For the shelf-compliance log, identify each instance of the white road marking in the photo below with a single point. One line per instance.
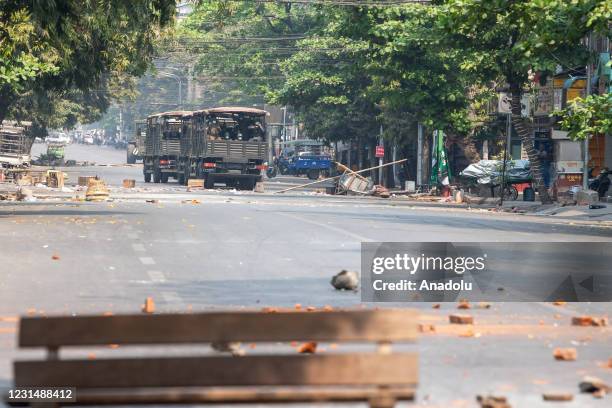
(147, 260)
(171, 297)
(156, 276)
(328, 227)
(138, 248)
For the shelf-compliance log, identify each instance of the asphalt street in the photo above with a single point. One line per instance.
(231, 250)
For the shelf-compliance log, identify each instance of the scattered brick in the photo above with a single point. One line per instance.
(560, 303)
(565, 354)
(599, 394)
(461, 319)
(558, 397)
(55, 257)
(298, 306)
(484, 305)
(149, 305)
(308, 348)
(435, 306)
(427, 328)
(586, 321)
(464, 304)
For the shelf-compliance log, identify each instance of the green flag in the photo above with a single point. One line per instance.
(440, 171)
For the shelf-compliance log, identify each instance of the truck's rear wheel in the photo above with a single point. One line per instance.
(147, 177)
(209, 182)
(164, 177)
(181, 178)
(246, 184)
(156, 176)
(313, 174)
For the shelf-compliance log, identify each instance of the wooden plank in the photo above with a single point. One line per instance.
(290, 370)
(232, 395)
(392, 325)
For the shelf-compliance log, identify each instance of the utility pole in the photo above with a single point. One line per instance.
(284, 109)
(585, 169)
(381, 142)
(120, 123)
(419, 175)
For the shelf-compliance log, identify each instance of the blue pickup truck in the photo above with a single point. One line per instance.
(304, 157)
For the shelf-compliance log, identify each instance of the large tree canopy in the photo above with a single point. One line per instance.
(513, 39)
(63, 61)
(345, 70)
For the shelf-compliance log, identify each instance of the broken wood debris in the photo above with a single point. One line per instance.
(493, 401)
(586, 321)
(336, 177)
(461, 319)
(96, 191)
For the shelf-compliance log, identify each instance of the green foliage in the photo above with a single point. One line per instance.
(513, 38)
(22, 55)
(65, 60)
(587, 117)
(354, 69)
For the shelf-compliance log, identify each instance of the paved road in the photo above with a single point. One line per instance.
(246, 250)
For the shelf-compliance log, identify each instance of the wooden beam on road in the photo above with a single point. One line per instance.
(335, 177)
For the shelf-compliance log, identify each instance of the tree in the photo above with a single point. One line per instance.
(67, 59)
(240, 44)
(586, 117)
(346, 70)
(512, 39)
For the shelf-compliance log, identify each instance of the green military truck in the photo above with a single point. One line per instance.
(136, 145)
(225, 145)
(163, 145)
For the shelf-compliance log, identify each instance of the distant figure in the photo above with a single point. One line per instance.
(601, 184)
(213, 133)
(544, 164)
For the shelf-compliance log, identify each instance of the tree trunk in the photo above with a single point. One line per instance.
(4, 106)
(524, 132)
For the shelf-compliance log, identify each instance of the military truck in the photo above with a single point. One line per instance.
(136, 145)
(15, 144)
(224, 145)
(163, 145)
